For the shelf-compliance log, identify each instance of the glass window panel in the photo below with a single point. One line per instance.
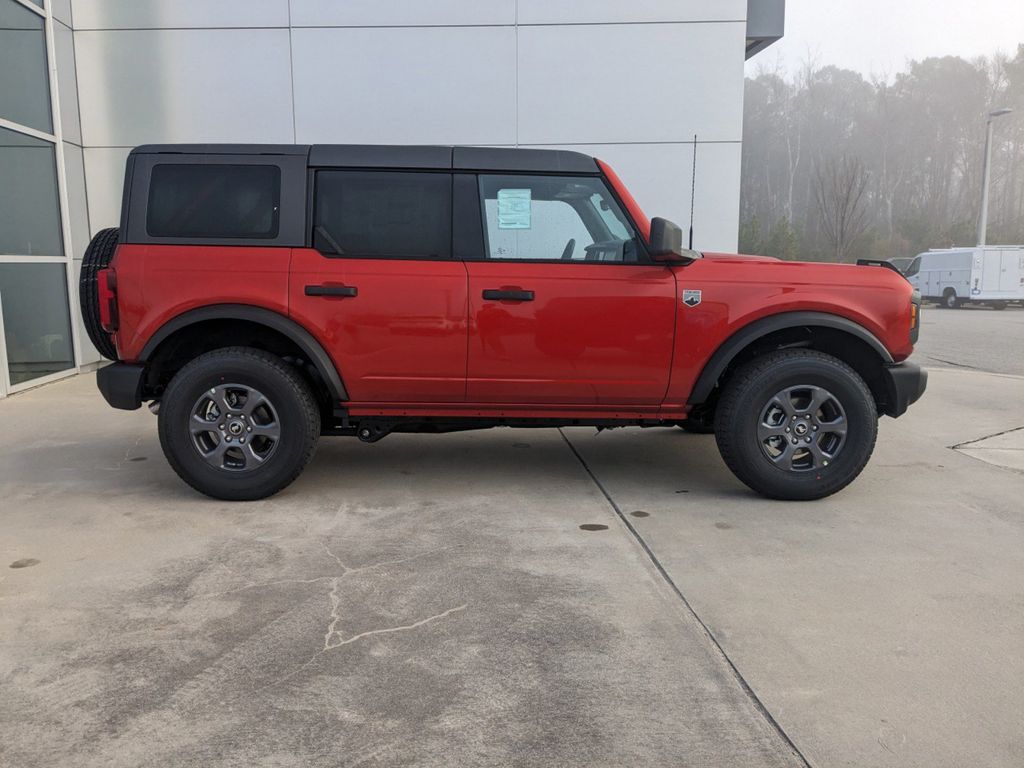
(383, 213)
(214, 201)
(555, 218)
(24, 80)
(29, 206)
(37, 326)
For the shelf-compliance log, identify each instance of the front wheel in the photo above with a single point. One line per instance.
(238, 424)
(796, 424)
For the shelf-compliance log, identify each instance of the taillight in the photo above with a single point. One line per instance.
(106, 284)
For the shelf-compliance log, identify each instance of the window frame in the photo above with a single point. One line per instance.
(643, 255)
(313, 191)
(291, 210)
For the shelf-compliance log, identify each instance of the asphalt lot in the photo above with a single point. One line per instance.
(434, 601)
(973, 338)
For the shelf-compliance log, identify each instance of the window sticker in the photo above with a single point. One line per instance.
(513, 209)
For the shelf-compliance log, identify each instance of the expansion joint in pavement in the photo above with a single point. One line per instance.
(758, 704)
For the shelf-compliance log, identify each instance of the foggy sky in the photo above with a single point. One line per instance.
(880, 36)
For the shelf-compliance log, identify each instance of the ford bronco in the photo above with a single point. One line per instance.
(262, 296)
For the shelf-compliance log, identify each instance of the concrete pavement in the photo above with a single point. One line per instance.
(433, 601)
(423, 601)
(883, 626)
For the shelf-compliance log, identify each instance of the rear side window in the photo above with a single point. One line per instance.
(383, 214)
(214, 201)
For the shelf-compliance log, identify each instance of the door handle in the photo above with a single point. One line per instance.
(331, 290)
(512, 294)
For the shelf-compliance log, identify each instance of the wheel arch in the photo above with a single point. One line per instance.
(836, 335)
(161, 343)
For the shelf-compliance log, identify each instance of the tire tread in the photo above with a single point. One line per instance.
(733, 400)
(310, 414)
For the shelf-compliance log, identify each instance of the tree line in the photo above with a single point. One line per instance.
(838, 167)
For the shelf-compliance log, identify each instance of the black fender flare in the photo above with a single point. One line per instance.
(748, 334)
(261, 316)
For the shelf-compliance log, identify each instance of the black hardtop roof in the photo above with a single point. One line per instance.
(399, 156)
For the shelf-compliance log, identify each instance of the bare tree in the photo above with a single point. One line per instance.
(918, 133)
(840, 189)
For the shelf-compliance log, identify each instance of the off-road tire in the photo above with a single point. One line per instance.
(750, 390)
(97, 256)
(296, 409)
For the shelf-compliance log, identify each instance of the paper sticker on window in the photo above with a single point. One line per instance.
(513, 209)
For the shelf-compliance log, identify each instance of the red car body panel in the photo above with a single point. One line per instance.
(401, 338)
(156, 283)
(594, 333)
(739, 290)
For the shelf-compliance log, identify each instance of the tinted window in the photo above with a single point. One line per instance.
(214, 201)
(914, 268)
(383, 213)
(549, 218)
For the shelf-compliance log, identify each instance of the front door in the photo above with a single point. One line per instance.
(563, 306)
(380, 289)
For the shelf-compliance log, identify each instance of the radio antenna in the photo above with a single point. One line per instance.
(693, 188)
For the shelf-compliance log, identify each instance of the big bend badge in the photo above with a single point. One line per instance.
(691, 298)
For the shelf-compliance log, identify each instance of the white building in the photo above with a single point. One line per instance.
(83, 81)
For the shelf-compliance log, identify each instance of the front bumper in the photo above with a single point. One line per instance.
(905, 383)
(121, 385)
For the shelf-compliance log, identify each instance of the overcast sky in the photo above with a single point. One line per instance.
(880, 36)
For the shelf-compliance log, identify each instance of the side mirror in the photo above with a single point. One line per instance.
(666, 244)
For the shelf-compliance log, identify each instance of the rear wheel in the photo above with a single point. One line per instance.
(796, 425)
(950, 299)
(97, 256)
(238, 424)
(999, 305)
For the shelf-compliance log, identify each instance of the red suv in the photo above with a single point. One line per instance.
(262, 296)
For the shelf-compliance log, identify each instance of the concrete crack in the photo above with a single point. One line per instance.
(334, 616)
(401, 628)
(127, 455)
(986, 437)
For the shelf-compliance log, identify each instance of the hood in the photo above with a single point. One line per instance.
(738, 257)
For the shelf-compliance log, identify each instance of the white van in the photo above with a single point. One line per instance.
(992, 275)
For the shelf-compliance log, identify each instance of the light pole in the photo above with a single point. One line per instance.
(983, 217)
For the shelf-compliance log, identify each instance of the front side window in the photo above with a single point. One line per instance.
(555, 218)
(914, 268)
(214, 201)
(383, 214)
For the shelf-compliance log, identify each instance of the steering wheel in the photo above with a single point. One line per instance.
(569, 248)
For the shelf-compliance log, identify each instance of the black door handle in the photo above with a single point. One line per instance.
(492, 294)
(331, 290)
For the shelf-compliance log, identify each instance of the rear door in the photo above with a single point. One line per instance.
(991, 269)
(1011, 274)
(564, 306)
(379, 286)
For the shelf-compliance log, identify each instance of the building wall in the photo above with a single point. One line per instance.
(628, 82)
